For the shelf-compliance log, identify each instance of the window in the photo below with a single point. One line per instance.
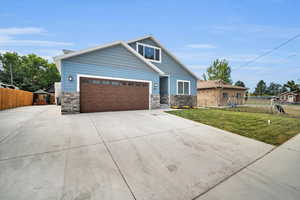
(238, 95)
(183, 87)
(151, 53)
(225, 95)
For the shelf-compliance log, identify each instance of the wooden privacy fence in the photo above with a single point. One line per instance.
(10, 98)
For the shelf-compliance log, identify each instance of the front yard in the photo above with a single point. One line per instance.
(250, 124)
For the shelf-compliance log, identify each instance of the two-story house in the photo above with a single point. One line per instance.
(132, 75)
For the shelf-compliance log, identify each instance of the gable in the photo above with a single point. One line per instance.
(168, 64)
(115, 56)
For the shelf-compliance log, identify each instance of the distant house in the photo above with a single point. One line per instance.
(219, 93)
(290, 97)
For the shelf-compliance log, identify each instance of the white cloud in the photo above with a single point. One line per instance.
(256, 31)
(39, 43)
(197, 67)
(7, 38)
(201, 46)
(21, 31)
(196, 57)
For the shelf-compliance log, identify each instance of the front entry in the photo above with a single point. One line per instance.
(98, 95)
(164, 90)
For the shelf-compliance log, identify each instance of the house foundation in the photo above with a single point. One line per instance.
(70, 102)
(183, 100)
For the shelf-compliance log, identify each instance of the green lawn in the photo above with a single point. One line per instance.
(290, 110)
(252, 125)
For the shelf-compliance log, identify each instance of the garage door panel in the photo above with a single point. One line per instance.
(109, 95)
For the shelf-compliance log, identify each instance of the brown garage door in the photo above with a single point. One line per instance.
(98, 95)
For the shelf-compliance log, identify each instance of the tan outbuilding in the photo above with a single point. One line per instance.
(219, 93)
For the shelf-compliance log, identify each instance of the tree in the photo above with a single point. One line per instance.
(30, 72)
(283, 89)
(240, 83)
(274, 89)
(261, 88)
(10, 61)
(292, 86)
(219, 70)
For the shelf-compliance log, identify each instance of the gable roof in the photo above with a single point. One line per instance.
(211, 84)
(40, 92)
(163, 48)
(58, 59)
(295, 93)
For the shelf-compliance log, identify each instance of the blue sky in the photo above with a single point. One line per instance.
(197, 32)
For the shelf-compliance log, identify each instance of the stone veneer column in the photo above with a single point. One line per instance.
(70, 102)
(183, 100)
(155, 101)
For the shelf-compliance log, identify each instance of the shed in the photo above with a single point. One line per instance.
(41, 97)
(219, 93)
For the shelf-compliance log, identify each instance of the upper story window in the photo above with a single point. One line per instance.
(151, 53)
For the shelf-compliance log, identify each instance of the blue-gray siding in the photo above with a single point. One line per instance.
(172, 68)
(115, 61)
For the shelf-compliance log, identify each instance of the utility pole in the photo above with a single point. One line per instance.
(11, 75)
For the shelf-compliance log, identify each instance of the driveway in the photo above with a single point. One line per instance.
(115, 155)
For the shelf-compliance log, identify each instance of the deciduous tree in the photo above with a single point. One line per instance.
(30, 72)
(219, 70)
(240, 83)
(261, 88)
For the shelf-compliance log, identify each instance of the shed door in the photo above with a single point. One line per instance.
(98, 95)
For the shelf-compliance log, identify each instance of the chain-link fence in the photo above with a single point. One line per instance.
(268, 104)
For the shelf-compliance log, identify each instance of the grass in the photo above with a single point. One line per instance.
(249, 124)
(291, 110)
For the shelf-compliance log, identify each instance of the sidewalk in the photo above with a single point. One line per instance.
(275, 176)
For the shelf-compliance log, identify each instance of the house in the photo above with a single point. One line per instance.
(219, 93)
(290, 97)
(131, 75)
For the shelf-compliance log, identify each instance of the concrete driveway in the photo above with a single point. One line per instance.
(115, 155)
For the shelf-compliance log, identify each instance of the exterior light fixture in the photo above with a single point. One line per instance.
(70, 78)
(155, 85)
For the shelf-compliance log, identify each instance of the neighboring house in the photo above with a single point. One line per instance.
(289, 97)
(137, 74)
(218, 93)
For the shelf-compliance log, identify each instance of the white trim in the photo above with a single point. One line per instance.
(58, 59)
(163, 48)
(139, 38)
(184, 81)
(169, 89)
(150, 46)
(115, 78)
(87, 50)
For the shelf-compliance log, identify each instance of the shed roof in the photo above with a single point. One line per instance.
(295, 93)
(40, 92)
(211, 84)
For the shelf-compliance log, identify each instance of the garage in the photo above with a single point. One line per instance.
(98, 95)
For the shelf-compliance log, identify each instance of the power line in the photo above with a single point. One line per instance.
(270, 51)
